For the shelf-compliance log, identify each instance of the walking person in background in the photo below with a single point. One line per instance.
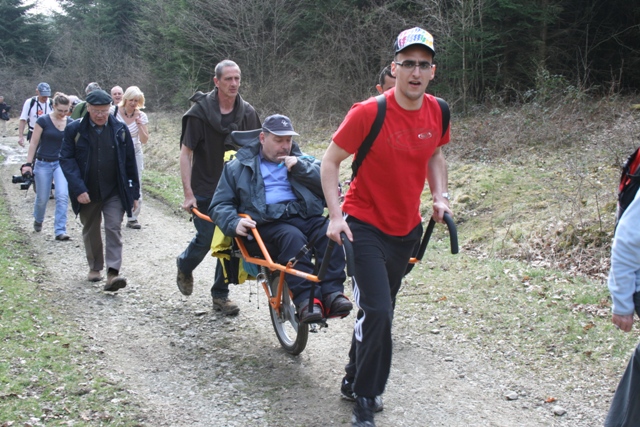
(206, 128)
(129, 113)
(4, 115)
(81, 108)
(99, 162)
(32, 109)
(386, 80)
(624, 285)
(116, 96)
(43, 163)
(383, 223)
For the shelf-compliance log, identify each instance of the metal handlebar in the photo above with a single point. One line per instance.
(453, 240)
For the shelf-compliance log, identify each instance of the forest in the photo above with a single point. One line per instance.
(313, 58)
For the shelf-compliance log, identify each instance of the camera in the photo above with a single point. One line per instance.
(24, 180)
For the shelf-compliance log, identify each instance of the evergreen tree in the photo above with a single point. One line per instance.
(23, 37)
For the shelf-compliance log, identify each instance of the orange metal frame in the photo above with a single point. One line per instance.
(276, 300)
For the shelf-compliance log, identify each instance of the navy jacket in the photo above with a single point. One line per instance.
(74, 161)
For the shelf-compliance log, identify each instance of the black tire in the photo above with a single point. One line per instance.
(292, 334)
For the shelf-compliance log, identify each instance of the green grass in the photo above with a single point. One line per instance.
(163, 186)
(46, 371)
(549, 316)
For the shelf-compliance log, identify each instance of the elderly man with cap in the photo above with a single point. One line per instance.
(33, 108)
(381, 210)
(99, 162)
(279, 188)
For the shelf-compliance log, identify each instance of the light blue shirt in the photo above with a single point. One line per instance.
(276, 182)
(624, 276)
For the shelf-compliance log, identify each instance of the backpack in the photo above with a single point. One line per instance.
(629, 183)
(377, 125)
(33, 101)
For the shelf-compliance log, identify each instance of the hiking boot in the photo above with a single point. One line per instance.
(37, 226)
(346, 390)
(134, 224)
(336, 304)
(363, 412)
(304, 316)
(184, 280)
(94, 276)
(225, 305)
(114, 281)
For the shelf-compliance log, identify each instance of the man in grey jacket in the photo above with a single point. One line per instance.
(280, 189)
(624, 285)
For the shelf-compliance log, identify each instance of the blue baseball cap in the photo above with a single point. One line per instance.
(278, 124)
(44, 89)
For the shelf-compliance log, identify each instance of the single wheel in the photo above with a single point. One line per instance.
(292, 334)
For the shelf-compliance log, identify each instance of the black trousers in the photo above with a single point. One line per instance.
(380, 264)
(288, 236)
(625, 406)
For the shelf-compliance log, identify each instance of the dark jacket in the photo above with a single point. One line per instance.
(203, 132)
(74, 161)
(241, 190)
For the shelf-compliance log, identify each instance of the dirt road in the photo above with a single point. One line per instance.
(189, 366)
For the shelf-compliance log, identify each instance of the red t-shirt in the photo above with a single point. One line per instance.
(386, 192)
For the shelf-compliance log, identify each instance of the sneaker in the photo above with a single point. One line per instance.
(134, 224)
(94, 276)
(114, 281)
(346, 390)
(184, 280)
(37, 226)
(226, 306)
(363, 412)
(63, 237)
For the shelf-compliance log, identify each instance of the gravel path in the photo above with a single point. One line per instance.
(189, 366)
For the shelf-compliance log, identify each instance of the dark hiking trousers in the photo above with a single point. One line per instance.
(380, 264)
(288, 235)
(625, 406)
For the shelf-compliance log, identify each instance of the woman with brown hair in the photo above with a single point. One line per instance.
(44, 149)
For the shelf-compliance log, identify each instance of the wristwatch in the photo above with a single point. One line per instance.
(446, 196)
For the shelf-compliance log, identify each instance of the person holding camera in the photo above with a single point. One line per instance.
(44, 150)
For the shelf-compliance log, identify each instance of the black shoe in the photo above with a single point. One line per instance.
(346, 390)
(363, 412)
(336, 305)
(310, 317)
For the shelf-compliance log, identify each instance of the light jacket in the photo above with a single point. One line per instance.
(624, 276)
(241, 190)
(76, 152)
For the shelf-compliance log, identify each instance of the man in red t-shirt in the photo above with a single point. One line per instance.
(381, 211)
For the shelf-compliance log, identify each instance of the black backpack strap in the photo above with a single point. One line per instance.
(629, 185)
(377, 125)
(446, 114)
(373, 134)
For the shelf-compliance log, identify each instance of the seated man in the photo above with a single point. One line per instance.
(280, 189)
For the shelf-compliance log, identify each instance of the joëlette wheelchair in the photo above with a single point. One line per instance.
(291, 333)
